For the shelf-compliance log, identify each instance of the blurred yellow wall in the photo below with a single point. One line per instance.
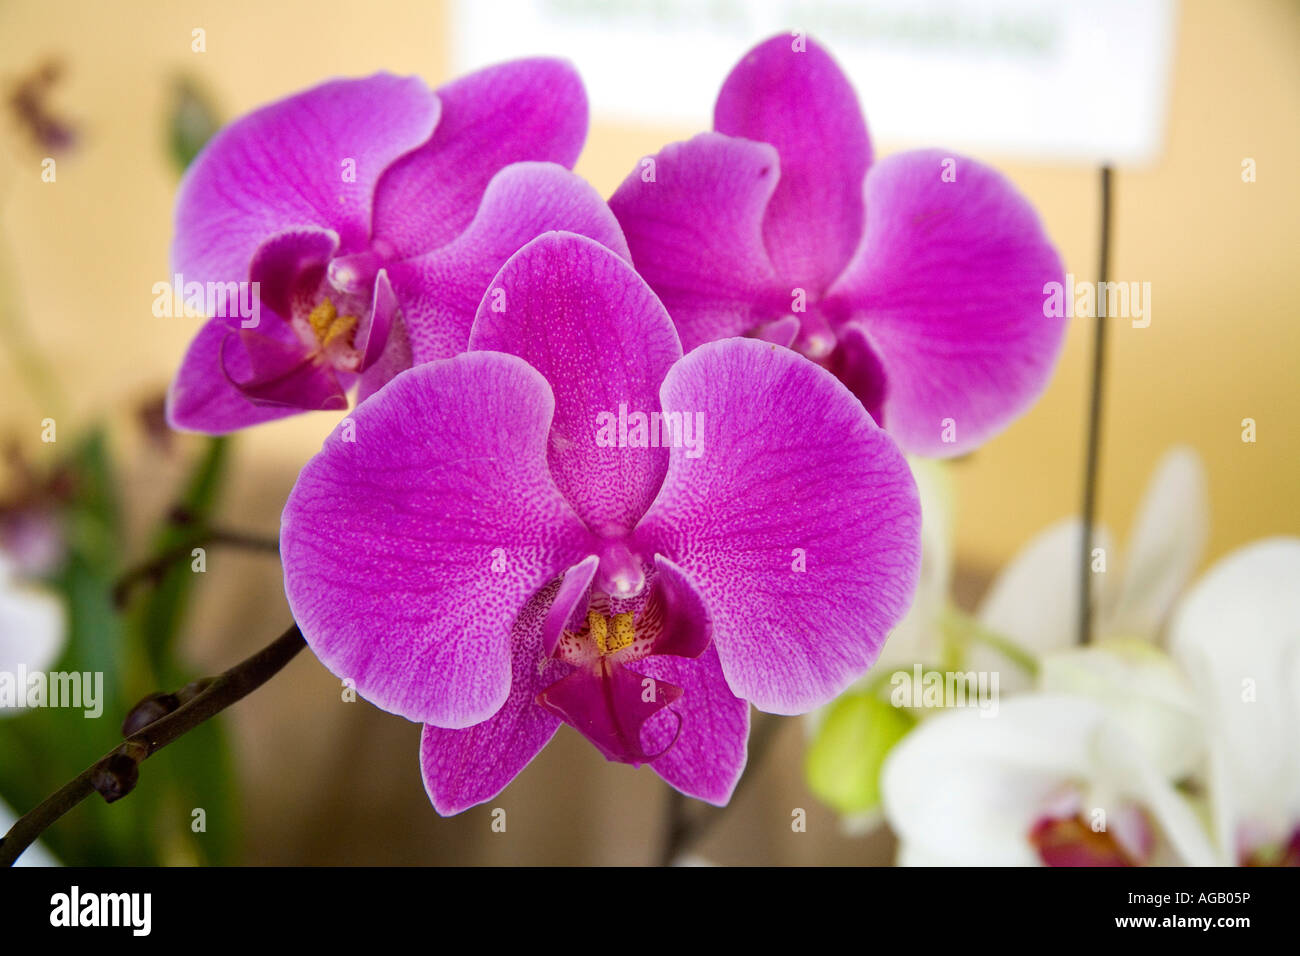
(82, 254)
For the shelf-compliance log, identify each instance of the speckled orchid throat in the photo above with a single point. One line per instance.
(329, 318)
(623, 617)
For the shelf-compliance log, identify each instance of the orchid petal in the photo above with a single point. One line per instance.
(1237, 634)
(795, 516)
(532, 109)
(570, 603)
(33, 627)
(283, 375)
(417, 535)
(1034, 601)
(1143, 690)
(695, 232)
(289, 264)
(465, 767)
(970, 789)
(582, 317)
(676, 618)
(796, 98)
(916, 638)
(440, 292)
(706, 745)
(1167, 543)
(1122, 758)
(395, 359)
(609, 706)
(203, 397)
(287, 164)
(949, 281)
(372, 337)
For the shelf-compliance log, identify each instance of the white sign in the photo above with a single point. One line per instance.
(1076, 80)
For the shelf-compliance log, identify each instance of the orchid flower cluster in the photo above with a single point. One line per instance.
(629, 466)
(1170, 739)
(1127, 752)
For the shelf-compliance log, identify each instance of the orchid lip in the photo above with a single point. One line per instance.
(1065, 835)
(602, 698)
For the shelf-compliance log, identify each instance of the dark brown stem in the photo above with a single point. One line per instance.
(152, 571)
(1091, 462)
(114, 775)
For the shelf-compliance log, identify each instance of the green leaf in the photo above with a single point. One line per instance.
(843, 763)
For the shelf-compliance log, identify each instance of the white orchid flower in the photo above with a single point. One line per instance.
(1030, 610)
(1237, 636)
(1034, 602)
(1123, 715)
(32, 624)
(1114, 727)
(1052, 779)
(32, 636)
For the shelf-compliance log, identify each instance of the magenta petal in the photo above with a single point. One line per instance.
(413, 540)
(801, 103)
(782, 331)
(202, 397)
(392, 361)
(696, 235)
(582, 317)
(949, 284)
(570, 603)
(799, 522)
(466, 767)
(372, 337)
(675, 619)
(283, 375)
(290, 263)
(312, 159)
(441, 291)
(522, 110)
(710, 725)
(856, 363)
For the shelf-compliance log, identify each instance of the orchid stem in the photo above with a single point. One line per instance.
(1094, 420)
(114, 775)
